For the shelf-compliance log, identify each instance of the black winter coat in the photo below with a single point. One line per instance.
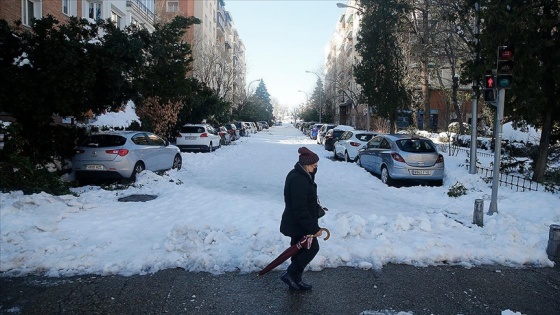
(300, 215)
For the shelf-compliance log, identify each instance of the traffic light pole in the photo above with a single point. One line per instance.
(497, 151)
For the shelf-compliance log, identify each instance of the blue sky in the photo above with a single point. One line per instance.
(283, 39)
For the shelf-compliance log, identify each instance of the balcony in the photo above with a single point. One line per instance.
(142, 10)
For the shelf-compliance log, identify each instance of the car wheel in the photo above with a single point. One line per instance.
(138, 168)
(334, 155)
(358, 161)
(385, 177)
(210, 147)
(347, 157)
(177, 162)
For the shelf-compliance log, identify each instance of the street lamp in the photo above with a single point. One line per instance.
(342, 5)
(320, 98)
(306, 96)
(249, 85)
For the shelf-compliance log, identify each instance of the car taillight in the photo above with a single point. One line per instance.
(397, 157)
(355, 144)
(204, 135)
(179, 135)
(119, 152)
(80, 151)
(439, 159)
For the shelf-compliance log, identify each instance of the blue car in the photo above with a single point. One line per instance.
(315, 131)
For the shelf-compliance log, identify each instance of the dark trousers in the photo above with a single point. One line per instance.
(302, 258)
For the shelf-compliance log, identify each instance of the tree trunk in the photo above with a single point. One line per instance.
(425, 95)
(542, 159)
(456, 103)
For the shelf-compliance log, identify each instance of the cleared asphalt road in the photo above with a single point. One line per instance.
(429, 290)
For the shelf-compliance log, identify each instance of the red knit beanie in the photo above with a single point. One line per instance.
(306, 157)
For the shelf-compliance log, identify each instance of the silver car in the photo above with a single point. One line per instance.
(402, 157)
(123, 154)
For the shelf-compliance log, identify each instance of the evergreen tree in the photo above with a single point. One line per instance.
(380, 69)
(265, 110)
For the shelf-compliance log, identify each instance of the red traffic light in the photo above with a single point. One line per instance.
(505, 53)
(489, 82)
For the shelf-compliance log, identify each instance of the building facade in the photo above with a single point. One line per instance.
(218, 51)
(343, 90)
(121, 12)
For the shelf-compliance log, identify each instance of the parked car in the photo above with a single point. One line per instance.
(403, 157)
(323, 131)
(198, 137)
(233, 131)
(123, 154)
(242, 128)
(254, 127)
(332, 136)
(314, 131)
(350, 142)
(249, 127)
(264, 124)
(224, 134)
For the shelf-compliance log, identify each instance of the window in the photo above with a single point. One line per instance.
(116, 19)
(66, 7)
(30, 9)
(94, 11)
(70, 7)
(172, 6)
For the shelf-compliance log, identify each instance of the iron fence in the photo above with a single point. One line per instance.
(509, 180)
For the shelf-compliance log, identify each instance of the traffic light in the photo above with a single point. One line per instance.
(504, 67)
(490, 88)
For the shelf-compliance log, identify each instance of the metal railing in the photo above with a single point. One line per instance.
(513, 181)
(141, 9)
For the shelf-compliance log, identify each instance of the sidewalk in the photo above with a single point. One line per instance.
(395, 288)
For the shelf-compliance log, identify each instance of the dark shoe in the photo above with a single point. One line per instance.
(304, 286)
(287, 279)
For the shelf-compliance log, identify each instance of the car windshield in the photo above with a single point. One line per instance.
(364, 136)
(192, 129)
(416, 145)
(102, 141)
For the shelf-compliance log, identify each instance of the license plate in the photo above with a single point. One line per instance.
(421, 172)
(190, 137)
(94, 167)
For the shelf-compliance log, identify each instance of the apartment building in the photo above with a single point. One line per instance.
(340, 86)
(343, 90)
(121, 12)
(218, 51)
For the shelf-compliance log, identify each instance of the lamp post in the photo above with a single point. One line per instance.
(320, 97)
(342, 5)
(306, 96)
(249, 85)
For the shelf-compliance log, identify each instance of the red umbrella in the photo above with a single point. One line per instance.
(305, 242)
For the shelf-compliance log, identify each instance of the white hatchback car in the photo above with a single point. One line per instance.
(350, 142)
(198, 138)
